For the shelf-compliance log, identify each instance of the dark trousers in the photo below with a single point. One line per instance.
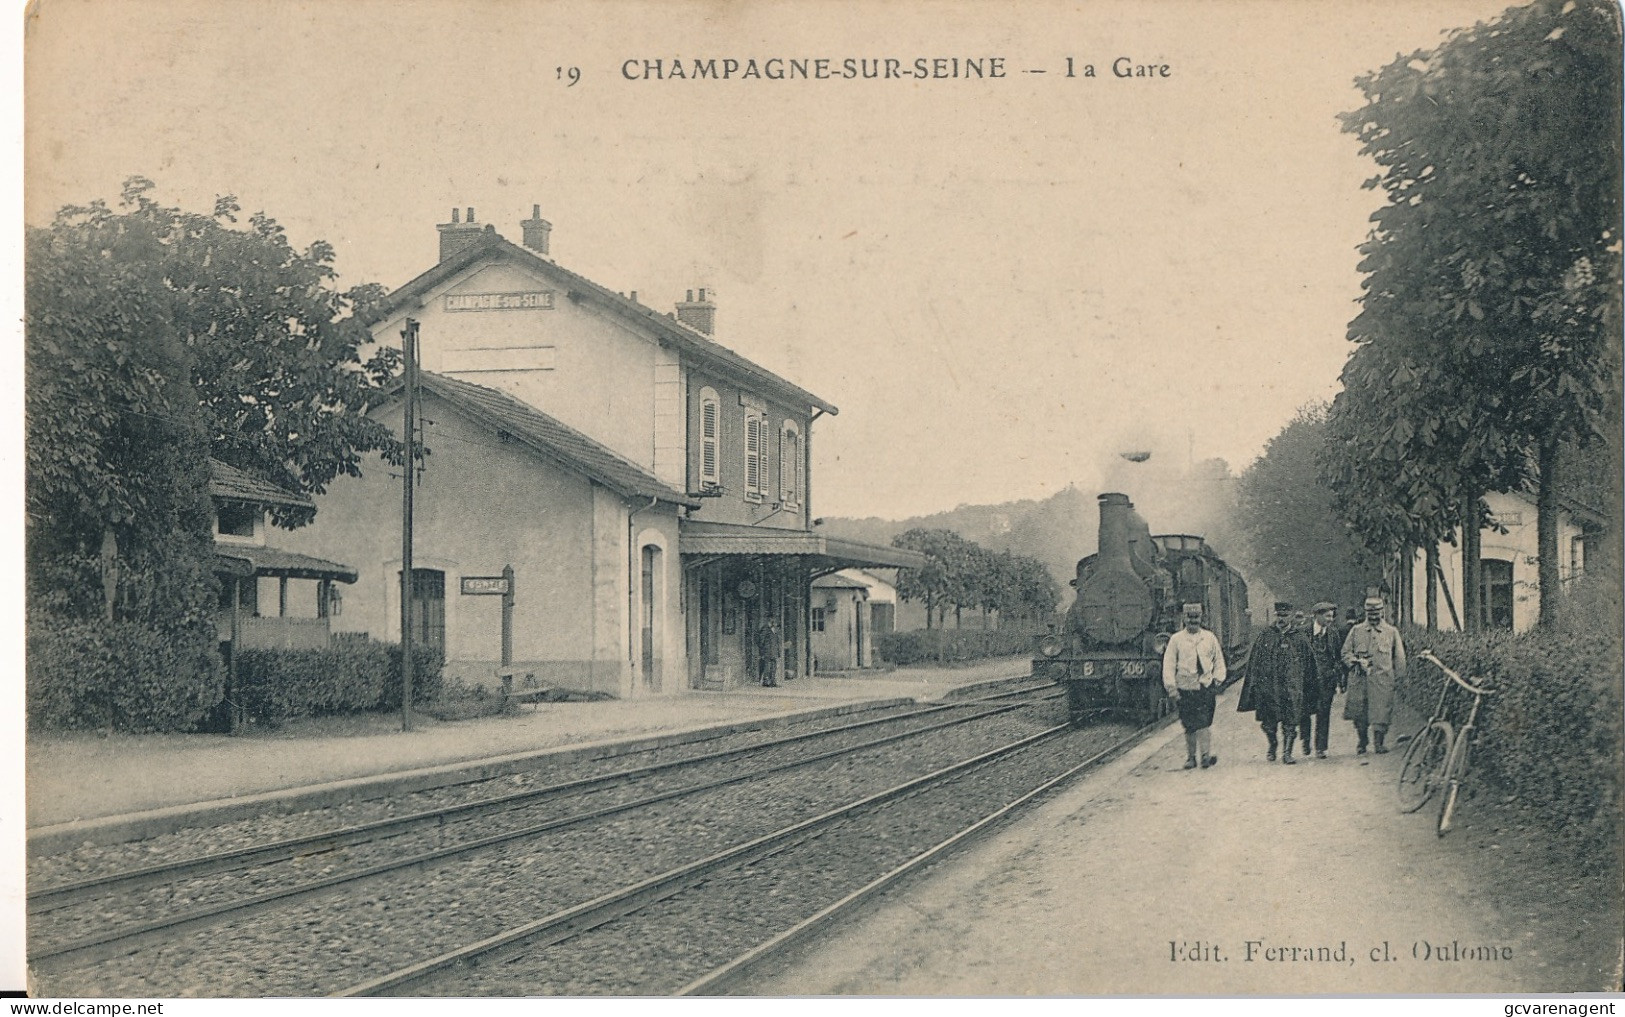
(1272, 723)
(1316, 721)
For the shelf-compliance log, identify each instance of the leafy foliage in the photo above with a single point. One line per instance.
(98, 674)
(1551, 735)
(938, 646)
(157, 338)
(961, 574)
(116, 442)
(1488, 323)
(1298, 543)
(253, 332)
(348, 676)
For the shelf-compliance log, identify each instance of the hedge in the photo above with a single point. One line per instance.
(942, 646)
(100, 674)
(347, 676)
(1550, 738)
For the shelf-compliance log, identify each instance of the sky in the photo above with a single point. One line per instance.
(1001, 282)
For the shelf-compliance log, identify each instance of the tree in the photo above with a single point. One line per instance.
(157, 338)
(933, 583)
(1036, 593)
(1493, 271)
(1409, 455)
(1300, 544)
(273, 346)
(117, 449)
(961, 573)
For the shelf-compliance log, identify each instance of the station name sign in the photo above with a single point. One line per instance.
(487, 586)
(536, 300)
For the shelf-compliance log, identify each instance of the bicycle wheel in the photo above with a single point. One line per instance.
(1425, 759)
(1454, 772)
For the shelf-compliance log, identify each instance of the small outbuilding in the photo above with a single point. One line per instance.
(839, 623)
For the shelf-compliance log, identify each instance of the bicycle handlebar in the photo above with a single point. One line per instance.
(1428, 656)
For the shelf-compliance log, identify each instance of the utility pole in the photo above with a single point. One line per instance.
(409, 349)
(507, 617)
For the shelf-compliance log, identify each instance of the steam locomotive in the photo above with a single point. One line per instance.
(1130, 594)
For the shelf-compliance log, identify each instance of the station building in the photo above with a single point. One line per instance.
(650, 488)
(1509, 587)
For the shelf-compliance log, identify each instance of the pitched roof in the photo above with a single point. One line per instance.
(271, 561)
(226, 481)
(666, 329)
(553, 439)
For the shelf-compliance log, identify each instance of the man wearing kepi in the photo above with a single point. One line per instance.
(1192, 671)
(1277, 666)
(1326, 644)
(1374, 655)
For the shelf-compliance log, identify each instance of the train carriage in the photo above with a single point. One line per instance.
(1108, 654)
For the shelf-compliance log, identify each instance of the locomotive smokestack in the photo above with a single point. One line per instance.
(1116, 529)
(1113, 605)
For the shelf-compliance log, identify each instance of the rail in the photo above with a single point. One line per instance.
(110, 941)
(728, 976)
(564, 924)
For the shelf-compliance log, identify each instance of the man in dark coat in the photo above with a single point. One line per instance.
(769, 647)
(1326, 648)
(1277, 665)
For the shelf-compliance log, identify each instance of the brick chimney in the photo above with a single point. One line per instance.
(458, 236)
(699, 315)
(536, 231)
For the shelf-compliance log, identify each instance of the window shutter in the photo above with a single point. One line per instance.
(708, 441)
(801, 471)
(789, 464)
(764, 453)
(786, 461)
(753, 454)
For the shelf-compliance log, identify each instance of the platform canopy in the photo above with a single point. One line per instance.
(823, 553)
(268, 561)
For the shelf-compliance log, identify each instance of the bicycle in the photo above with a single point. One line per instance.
(1439, 755)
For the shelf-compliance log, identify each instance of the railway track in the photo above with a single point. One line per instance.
(59, 949)
(470, 803)
(65, 874)
(757, 897)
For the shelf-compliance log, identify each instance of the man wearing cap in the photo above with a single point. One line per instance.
(1326, 648)
(1277, 666)
(1374, 655)
(1192, 671)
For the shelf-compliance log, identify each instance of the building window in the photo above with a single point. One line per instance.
(756, 459)
(883, 618)
(817, 619)
(429, 608)
(236, 519)
(790, 464)
(247, 595)
(1495, 593)
(710, 429)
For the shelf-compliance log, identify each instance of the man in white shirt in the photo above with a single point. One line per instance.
(1192, 671)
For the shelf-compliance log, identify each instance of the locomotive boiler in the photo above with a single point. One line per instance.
(1108, 653)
